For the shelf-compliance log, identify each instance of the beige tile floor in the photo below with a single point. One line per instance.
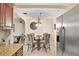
(38, 53)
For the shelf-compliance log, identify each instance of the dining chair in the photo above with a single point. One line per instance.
(31, 43)
(46, 43)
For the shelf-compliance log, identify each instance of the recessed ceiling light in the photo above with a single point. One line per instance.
(25, 13)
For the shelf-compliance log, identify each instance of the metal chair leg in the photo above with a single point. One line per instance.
(28, 48)
(45, 48)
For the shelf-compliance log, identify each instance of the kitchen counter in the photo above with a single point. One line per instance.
(11, 50)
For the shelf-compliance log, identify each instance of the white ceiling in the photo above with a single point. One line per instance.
(44, 5)
(46, 12)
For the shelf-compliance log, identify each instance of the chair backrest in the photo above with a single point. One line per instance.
(30, 38)
(33, 36)
(46, 38)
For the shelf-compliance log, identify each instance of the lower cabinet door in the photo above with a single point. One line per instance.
(20, 52)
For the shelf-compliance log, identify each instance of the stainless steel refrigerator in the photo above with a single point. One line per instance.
(70, 21)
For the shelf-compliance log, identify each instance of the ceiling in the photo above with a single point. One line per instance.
(47, 10)
(44, 5)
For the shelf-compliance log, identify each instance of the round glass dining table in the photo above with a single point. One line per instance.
(38, 39)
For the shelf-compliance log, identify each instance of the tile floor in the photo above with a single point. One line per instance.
(38, 53)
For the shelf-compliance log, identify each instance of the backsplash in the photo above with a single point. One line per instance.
(4, 34)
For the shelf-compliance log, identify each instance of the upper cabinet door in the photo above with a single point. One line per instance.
(8, 15)
(1, 15)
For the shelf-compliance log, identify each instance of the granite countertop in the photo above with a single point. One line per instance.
(9, 50)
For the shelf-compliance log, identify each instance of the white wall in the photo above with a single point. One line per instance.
(19, 28)
(1, 34)
(5, 34)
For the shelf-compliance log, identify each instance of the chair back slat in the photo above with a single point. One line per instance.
(30, 38)
(46, 38)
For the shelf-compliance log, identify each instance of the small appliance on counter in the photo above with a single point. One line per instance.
(3, 41)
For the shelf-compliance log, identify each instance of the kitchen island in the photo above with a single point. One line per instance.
(11, 50)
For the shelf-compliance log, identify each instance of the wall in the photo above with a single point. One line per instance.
(19, 27)
(4, 34)
(1, 34)
(71, 23)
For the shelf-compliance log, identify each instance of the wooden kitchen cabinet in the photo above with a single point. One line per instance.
(19, 52)
(1, 16)
(6, 16)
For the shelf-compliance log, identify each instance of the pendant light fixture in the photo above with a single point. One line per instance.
(39, 18)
